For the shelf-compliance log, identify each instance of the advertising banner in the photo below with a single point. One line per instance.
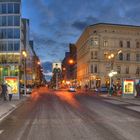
(13, 83)
(128, 87)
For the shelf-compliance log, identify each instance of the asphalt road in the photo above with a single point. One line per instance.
(51, 115)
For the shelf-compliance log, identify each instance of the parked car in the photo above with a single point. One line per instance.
(28, 89)
(103, 89)
(72, 89)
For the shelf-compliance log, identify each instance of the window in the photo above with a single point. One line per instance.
(91, 42)
(10, 20)
(10, 46)
(4, 9)
(1, 48)
(127, 70)
(4, 46)
(105, 43)
(16, 46)
(95, 42)
(3, 34)
(137, 57)
(118, 69)
(120, 56)
(138, 70)
(92, 55)
(16, 8)
(9, 33)
(16, 20)
(91, 68)
(95, 68)
(95, 55)
(137, 45)
(128, 56)
(0, 9)
(121, 44)
(16, 33)
(0, 20)
(4, 21)
(10, 8)
(128, 44)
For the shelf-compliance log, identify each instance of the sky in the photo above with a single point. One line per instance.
(56, 23)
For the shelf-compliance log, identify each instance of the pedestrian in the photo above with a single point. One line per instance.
(0, 91)
(4, 91)
(138, 89)
(111, 91)
(86, 87)
(9, 91)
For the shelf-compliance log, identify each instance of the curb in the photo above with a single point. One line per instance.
(119, 99)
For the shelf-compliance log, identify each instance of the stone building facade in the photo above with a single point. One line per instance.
(100, 40)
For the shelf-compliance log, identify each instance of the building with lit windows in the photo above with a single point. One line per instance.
(100, 41)
(10, 40)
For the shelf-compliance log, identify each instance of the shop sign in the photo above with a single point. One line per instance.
(13, 83)
(128, 86)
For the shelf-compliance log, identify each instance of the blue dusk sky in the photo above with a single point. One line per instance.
(56, 23)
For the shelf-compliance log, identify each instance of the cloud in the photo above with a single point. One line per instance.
(56, 23)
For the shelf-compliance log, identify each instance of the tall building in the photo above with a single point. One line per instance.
(95, 47)
(69, 65)
(10, 19)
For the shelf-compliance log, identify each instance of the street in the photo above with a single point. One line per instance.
(63, 115)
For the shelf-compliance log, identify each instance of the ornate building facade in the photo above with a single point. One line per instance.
(97, 43)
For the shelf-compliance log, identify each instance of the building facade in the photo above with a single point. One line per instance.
(10, 38)
(97, 43)
(69, 65)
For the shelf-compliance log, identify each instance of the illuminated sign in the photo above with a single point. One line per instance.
(57, 65)
(128, 86)
(13, 83)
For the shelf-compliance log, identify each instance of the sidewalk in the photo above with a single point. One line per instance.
(6, 107)
(135, 101)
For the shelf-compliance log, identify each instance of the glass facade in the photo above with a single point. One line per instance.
(10, 26)
(9, 8)
(10, 19)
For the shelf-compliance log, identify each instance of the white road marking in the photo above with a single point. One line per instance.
(1, 131)
(6, 114)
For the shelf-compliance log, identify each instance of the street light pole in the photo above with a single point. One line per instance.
(56, 80)
(25, 76)
(24, 55)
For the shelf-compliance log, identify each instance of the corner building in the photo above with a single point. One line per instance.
(10, 40)
(99, 40)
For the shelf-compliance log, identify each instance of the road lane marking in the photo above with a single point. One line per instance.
(1, 131)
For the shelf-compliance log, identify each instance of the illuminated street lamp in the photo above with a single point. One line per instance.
(38, 63)
(24, 54)
(111, 58)
(111, 74)
(71, 61)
